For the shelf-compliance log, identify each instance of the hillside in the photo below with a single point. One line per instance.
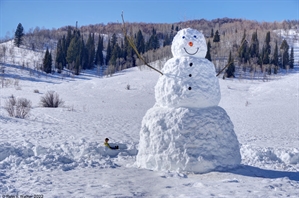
(59, 152)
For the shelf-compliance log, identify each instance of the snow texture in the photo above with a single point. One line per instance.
(172, 89)
(188, 139)
(186, 130)
(181, 44)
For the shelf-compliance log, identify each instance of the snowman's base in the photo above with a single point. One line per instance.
(188, 139)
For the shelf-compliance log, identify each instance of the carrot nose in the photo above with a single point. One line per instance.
(191, 44)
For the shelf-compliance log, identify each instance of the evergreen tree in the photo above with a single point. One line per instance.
(216, 38)
(275, 58)
(208, 55)
(59, 56)
(243, 51)
(115, 54)
(153, 42)
(292, 59)
(47, 62)
(99, 59)
(285, 53)
(113, 41)
(266, 49)
(50, 62)
(108, 52)
(19, 35)
(77, 66)
(73, 51)
(140, 45)
(254, 47)
(265, 56)
(212, 33)
(83, 55)
(230, 71)
(68, 40)
(64, 51)
(90, 47)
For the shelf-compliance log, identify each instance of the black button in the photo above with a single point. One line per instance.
(189, 88)
(191, 64)
(190, 75)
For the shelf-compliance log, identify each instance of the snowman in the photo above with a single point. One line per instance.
(186, 130)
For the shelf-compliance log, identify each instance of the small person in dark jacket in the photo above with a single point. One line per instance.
(107, 144)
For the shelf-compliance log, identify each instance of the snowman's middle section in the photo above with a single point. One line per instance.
(188, 82)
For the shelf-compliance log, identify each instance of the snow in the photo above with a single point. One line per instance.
(60, 153)
(172, 89)
(197, 140)
(189, 42)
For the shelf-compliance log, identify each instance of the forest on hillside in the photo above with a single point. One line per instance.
(248, 47)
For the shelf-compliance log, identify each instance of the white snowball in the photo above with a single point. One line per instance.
(188, 82)
(183, 139)
(189, 42)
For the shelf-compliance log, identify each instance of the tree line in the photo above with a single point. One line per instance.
(252, 55)
(78, 51)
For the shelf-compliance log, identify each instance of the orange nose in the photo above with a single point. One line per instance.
(191, 44)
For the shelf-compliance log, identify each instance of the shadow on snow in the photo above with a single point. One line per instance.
(251, 171)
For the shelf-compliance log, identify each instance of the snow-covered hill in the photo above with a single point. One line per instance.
(59, 152)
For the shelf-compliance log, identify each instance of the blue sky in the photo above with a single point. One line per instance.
(54, 14)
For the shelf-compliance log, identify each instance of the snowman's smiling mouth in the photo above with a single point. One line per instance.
(191, 53)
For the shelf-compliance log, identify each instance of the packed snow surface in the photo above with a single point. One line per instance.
(196, 140)
(188, 82)
(59, 152)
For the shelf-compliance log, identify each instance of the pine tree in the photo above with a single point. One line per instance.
(216, 38)
(59, 56)
(208, 55)
(83, 55)
(99, 58)
(73, 51)
(115, 54)
(266, 49)
(275, 58)
(113, 40)
(19, 35)
(153, 42)
(47, 62)
(243, 51)
(77, 66)
(50, 63)
(292, 59)
(140, 45)
(68, 39)
(64, 51)
(212, 33)
(108, 52)
(230, 71)
(254, 47)
(90, 51)
(285, 53)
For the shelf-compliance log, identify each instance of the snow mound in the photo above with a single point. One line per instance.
(279, 158)
(184, 139)
(65, 156)
(189, 82)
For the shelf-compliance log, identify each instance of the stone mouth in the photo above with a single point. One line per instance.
(191, 53)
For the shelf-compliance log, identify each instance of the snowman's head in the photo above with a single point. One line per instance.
(189, 42)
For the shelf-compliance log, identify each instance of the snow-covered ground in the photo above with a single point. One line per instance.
(59, 152)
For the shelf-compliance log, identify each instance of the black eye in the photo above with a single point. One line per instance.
(183, 37)
(194, 36)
